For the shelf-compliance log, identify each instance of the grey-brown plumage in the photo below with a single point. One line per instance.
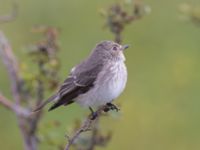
(97, 80)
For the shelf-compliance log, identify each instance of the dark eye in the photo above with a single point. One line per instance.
(114, 48)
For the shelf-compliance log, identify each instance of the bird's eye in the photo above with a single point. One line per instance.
(114, 48)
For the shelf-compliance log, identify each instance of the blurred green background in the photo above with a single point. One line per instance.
(160, 106)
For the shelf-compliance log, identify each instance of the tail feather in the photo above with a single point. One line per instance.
(54, 106)
(50, 99)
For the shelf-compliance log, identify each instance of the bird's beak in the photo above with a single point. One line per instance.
(125, 47)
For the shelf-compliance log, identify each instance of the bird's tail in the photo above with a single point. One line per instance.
(50, 99)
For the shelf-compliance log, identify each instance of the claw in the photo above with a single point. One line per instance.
(106, 109)
(111, 106)
(93, 115)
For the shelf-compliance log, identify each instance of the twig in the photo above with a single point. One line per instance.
(94, 134)
(40, 96)
(86, 126)
(6, 103)
(11, 65)
(13, 107)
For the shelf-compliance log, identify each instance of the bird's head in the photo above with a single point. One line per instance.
(110, 50)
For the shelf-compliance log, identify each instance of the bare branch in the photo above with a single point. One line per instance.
(38, 115)
(86, 126)
(11, 65)
(11, 16)
(22, 114)
(94, 134)
(6, 103)
(13, 107)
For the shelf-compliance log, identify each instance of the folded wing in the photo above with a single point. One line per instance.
(81, 79)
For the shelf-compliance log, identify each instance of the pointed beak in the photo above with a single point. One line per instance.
(125, 47)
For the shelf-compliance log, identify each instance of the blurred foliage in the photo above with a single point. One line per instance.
(118, 15)
(44, 55)
(190, 12)
(160, 107)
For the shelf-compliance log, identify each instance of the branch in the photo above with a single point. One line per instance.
(86, 126)
(11, 16)
(11, 65)
(36, 118)
(13, 107)
(6, 103)
(94, 134)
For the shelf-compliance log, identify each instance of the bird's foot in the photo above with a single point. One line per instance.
(94, 114)
(110, 106)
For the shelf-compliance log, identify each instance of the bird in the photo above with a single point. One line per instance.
(97, 81)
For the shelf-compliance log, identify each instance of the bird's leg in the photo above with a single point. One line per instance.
(93, 114)
(111, 106)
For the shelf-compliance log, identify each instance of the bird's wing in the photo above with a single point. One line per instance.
(81, 79)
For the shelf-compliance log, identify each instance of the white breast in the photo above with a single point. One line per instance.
(108, 86)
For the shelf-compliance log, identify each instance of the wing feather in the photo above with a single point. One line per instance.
(81, 79)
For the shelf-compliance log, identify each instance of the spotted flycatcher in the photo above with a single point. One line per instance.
(96, 81)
